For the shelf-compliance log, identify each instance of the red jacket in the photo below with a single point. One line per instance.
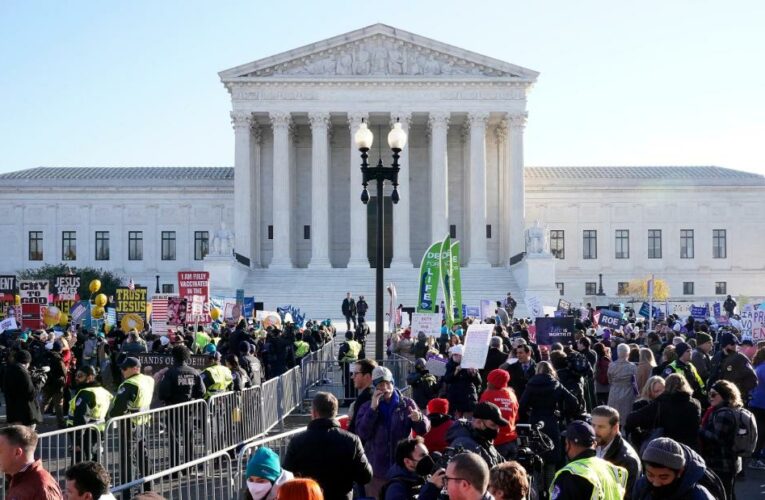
(508, 405)
(34, 483)
(435, 439)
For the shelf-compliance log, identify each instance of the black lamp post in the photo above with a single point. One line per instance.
(156, 290)
(600, 285)
(380, 174)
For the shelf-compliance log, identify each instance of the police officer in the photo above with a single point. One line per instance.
(181, 384)
(586, 475)
(301, 347)
(216, 377)
(88, 406)
(683, 366)
(133, 396)
(347, 356)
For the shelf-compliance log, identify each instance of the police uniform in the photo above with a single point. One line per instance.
(89, 406)
(687, 370)
(181, 384)
(217, 378)
(589, 477)
(301, 349)
(346, 356)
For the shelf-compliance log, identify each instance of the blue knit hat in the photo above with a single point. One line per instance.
(264, 463)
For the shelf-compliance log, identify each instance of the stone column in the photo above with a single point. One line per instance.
(243, 208)
(401, 211)
(439, 181)
(505, 198)
(256, 224)
(280, 121)
(478, 189)
(358, 222)
(319, 191)
(517, 123)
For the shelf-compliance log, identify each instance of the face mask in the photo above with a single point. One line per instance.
(425, 466)
(487, 433)
(258, 490)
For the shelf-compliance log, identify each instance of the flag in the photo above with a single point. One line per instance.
(131, 285)
(430, 276)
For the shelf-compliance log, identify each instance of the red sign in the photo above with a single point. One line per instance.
(31, 316)
(191, 283)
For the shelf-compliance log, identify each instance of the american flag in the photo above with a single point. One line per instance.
(131, 285)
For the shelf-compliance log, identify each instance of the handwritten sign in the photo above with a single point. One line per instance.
(436, 365)
(534, 306)
(34, 292)
(477, 346)
(426, 322)
(758, 325)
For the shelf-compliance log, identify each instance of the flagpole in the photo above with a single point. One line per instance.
(650, 304)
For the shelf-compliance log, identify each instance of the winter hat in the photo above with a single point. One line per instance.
(438, 405)
(498, 378)
(677, 340)
(264, 463)
(666, 452)
(457, 349)
(381, 374)
(57, 346)
(703, 338)
(420, 363)
(681, 348)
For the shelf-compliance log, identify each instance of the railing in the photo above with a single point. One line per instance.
(278, 443)
(401, 367)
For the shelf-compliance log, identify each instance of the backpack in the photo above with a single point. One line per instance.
(745, 440)
(713, 484)
(578, 363)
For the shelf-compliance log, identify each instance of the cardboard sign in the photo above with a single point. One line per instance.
(160, 361)
(192, 283)
(552, 330)
(758, 325)
(34, 292)
(436, 365)
(564, 305)
(477, 341)
(176, 311)
(31, 316)
(426, 322)
(487, 309)
(747, 316)
(7, 288)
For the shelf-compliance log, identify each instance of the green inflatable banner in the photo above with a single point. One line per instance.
(456, 282)
(446, 280)
(430, 275)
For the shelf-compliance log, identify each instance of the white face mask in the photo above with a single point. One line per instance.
(258, 490)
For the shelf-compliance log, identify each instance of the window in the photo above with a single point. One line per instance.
(270, 232)
(654, 243)
(306, 232)
(102, 245)
(135, 245)
(590, 246)
(687, 287)
(590, 288)
(488, 231)
(452, 231)
(686, 243)
(168, 288)
(69, 245)
(168, 245)
(201, 244)
(622, 288)
(719, 244)
(721, 288)
(622, 244)
(557, 243)
(560, 288)
(36, 245)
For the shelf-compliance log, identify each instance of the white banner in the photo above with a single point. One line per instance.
(534, 307)
(477, 341)
(426, 322)
(8, 324)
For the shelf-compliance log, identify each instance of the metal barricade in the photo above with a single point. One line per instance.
(270, 398)
(278, 443)
(145, 443)
(224, 419)
(211, 477)
(401, 367)
(252, 413)
(291, 397)
(59, 449)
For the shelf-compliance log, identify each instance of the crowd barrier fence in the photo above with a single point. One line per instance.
(278, 443)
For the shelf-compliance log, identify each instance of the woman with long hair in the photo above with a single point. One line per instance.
(652, 389)
(646, 364)
(718, 431)
(602, 388)
(300, 489)
(757, 406)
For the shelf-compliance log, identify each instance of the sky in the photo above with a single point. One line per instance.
(114, 83)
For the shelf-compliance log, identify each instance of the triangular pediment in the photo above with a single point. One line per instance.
(377, 51)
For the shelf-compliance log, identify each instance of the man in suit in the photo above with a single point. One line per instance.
(349, 311)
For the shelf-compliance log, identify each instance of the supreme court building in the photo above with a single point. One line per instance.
(300, 234)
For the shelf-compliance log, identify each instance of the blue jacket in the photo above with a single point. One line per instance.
(758, 394)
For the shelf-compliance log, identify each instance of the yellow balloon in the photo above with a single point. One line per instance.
(101, 300)
(51, 316)
(148, 309)
(18, 299)
(64, 319)
(215, 313)
(97, 312)
(94, 286)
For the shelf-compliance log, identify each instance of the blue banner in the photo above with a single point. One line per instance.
(472, 311)
(644, 309)
(552, 330)
(718, 313)
(248, 307)
(699, 312)
(609, 318)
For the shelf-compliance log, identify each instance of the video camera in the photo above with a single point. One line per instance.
(530, 436)
(441, 459)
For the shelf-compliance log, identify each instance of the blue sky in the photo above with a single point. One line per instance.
(108, 83)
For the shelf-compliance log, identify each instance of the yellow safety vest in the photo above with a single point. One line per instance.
(142, 401)
(98, 412)
(352, 355)
(609, 482)
(201, 339)
(695, 373)
(301, 348)
(222, 379)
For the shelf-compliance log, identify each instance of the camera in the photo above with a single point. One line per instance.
(39, 375)
(441, 459)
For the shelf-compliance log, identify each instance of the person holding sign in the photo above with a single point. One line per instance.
(462, 384)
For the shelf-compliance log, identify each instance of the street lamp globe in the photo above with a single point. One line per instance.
(363, 137)
(397, 137)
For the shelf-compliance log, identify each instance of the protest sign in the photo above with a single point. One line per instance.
(472, 311)
(430, 275)
(131, 301)
(8, 324)
(564, 305)
(159, 313)
(699, 312)
(248, 307)
(758, 325)
(65, 287)
(456, 282)
(426, 322)
(609, 318)
(487, 309)
(534, 306)
(445, 267)
(176, 311)
(34, 292)
(436, 365)
(7, 288)
(717, 311)
(746, 322)
(476, 346)
(192, 283)
(160, 361)
(552, 330)
(31, 316)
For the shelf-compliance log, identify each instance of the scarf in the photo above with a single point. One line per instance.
(387, 407)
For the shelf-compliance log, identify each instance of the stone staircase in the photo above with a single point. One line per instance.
(320, 292)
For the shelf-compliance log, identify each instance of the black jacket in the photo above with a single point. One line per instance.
(520, 377)
(736, 368)
(462, 387)
(362, 307)
(462, 434)
(20, 396)
(494, 360)
(622, 454)
(278, 354)
(349, 307)
(334, 458)
(574, 383)
(252, 368)
(180, 384)
(678, 414)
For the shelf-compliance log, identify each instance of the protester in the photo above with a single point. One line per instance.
(521, 369)
(250, 363)
(361, 309)
(495, 357)
(729, 306)
(498, 393)
(674, 414)
(757, 407)
(509, 481)
(612, 447)
(727, 364)
(300, 489)
(718, 432)
(20, 392)
(622, 376)
(25, 477)
(700, 357)
(645, 367)
(601, 373)
(87, 481)
(385, 420)
(466, 478)
(652, 389)
(462, 384)
(671, 470)
(362, 382)
(478, 435)
(586, 473)
(53, 391)
(440, 423)
(239, 379)
(424, 384)
(407, 475)
(264, 475)
(333, 457)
